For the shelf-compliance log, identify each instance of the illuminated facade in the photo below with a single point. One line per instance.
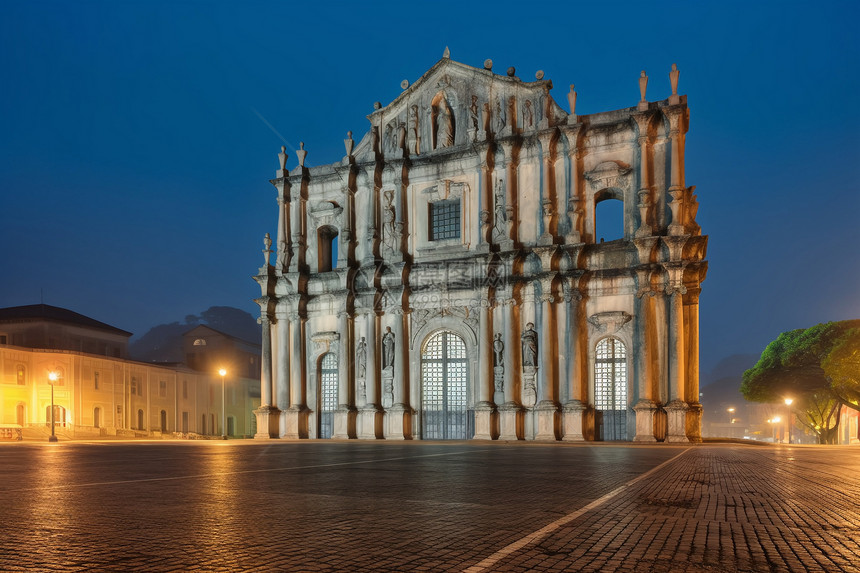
(448, 280)
(97, 395)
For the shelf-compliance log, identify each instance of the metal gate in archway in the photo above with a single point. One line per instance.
(327, 394)
(445, 414)
(610, 390)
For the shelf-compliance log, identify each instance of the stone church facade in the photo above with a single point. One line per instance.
(446, 279)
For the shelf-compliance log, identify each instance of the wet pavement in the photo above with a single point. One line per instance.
(427, 506)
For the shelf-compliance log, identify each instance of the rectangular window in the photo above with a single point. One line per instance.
(162, 389)
(21, 375)
(445, 220)
(133, 386)
(96, 380)
(2, 339)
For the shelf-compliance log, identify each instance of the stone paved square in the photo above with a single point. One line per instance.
(425, 506)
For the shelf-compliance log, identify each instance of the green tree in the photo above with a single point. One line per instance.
(842, 368)
(794, 365)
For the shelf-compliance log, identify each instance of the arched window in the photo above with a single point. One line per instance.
(327, 394)
(327, 248)
(608, 216)
(610, 389)
(444, 380)
(97, 417)
(163, 421)
(20, 414)
(140, 420)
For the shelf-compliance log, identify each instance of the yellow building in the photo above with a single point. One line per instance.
(97, 395)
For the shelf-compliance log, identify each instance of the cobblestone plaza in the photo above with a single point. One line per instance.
(427, 506)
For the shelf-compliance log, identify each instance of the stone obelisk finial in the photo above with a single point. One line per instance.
(571, 99)
(643, 85)
(349, 143)
(674, 99)
(301, 154)
(282, 162)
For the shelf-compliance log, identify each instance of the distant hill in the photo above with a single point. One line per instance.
(163, 343)
(721, 386)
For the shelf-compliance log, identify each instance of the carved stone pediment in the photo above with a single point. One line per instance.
(445, 308)
(610, 175)
(326, 213)
(325, 342)
(445, 190)
(609, 322)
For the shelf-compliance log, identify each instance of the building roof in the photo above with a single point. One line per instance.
(222, 333)
(32, 312)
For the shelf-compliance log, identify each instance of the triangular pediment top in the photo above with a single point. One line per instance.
(450, 74)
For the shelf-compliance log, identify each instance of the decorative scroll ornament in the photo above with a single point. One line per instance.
(610, 175)
(609, 322)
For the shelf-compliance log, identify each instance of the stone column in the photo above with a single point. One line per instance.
(296, 228)
(484, 408)
(677, 406)
(645, 407)
(574, 206)
(282, 365)
(369, 413)
(547, 206)
(547, 407)
(511, 213)
(295, 418)
(510, 413)
(691, 329)
(397, 420)
(344, 416)
(266, 414)
(676, 187)
(575, 409)
(562, 334)
(645, 199)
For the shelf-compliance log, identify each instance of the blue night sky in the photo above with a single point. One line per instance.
(135, 152)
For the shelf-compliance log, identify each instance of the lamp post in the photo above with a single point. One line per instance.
(52, 378)
(788, 402)
(223, 373)
(731, 411)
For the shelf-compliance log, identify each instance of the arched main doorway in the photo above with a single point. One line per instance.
(610, 390)
(444, 383)
(327, 394)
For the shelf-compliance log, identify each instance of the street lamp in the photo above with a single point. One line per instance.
(788, 402)
(52, 378)
(223, 373)
(731, 411)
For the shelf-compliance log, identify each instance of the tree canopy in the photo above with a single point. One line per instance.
(819, 367)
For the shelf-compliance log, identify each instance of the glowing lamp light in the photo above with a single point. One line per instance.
(788, 401)
(223, 373)
(53, 376)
